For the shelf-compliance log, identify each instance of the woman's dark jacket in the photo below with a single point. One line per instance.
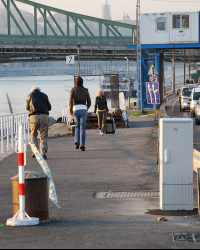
(101, 104)
(79, 96)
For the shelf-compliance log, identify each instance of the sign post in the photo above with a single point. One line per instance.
(153, 94)
(152, 87)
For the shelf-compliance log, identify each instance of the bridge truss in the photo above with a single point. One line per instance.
(51, 23)
(47, 33)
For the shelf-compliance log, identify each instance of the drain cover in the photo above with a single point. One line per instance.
(186, 237)
(126, 195)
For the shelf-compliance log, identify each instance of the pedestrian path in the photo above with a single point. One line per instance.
(121, 163)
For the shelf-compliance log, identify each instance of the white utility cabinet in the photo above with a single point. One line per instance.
(176, 164)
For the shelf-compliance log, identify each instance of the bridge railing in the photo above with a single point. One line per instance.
(9, 128)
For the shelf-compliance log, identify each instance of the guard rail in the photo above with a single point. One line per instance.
(9, 125)
(170, 96)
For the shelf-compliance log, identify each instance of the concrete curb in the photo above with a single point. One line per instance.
(163, 113)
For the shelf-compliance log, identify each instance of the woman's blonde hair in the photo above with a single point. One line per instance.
(35, 88)
(100, 91)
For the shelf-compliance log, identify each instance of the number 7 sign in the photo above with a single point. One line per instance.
(70, 60)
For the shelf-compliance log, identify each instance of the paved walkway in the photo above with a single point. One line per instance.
(125, 162)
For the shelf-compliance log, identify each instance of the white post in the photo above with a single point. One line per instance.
(21, 173)
(7, 129)
(2, 144)
(12, 131)
(21, 218)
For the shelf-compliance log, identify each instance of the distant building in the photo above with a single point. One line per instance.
(106, 11)
(127, 19)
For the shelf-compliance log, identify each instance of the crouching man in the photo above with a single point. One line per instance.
(39, 106)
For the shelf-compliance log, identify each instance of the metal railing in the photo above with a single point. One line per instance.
(9, 125)
(66, 117)
(170, 96)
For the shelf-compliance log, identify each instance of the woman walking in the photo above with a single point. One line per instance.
(79, 103)
(101, 104)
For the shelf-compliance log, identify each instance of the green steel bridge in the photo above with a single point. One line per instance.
(47, 33)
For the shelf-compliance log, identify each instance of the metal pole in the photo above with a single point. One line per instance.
(189, 64)
(8, 17)
(99, 76)
(173, 80)
(137, 67)
(9, 103)
(79, 65)
(35, 21)
(184, 67)
(139, 57)
(128, 81)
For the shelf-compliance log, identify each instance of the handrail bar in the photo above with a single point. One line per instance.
(9, 125)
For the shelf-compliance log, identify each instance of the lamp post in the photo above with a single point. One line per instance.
(128, 81)
(139, 55)
(79, 65)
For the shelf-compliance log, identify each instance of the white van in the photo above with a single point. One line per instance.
(193, 100)
(184, 95)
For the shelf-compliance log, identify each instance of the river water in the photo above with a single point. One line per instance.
(56, 87)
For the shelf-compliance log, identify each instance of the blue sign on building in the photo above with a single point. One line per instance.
(153, 94)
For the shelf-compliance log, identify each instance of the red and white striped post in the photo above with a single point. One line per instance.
(21, 174)
(21, 218)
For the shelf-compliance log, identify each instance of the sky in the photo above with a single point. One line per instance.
(119, 7)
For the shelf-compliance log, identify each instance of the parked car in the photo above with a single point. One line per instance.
(197, 113)
(184, 95)
(193, 100)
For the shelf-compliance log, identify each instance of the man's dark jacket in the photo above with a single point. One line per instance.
(38, 103)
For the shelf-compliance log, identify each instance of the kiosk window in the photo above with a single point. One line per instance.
(181, 21)
(161, 24)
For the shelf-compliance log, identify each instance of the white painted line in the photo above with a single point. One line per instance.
(174, 104)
